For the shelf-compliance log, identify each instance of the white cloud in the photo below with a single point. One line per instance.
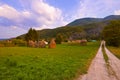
(36, 14)
(9, 12)
(117, 12)
(41, 27)
(26, 14)
(88, 8)
(48, 15)
(40, 13)
(14, 27)
(44, 14)
(101, 8)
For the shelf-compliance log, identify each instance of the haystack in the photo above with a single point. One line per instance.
(83, 42)
(52, 43)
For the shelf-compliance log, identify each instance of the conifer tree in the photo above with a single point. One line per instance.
(31, 35)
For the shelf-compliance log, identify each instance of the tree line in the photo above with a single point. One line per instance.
(110, 33)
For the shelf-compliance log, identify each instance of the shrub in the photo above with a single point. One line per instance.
(1, 45)
(6, 44)
(19, 42)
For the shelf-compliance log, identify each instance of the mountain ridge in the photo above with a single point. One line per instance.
(89, 28)
(82, 21)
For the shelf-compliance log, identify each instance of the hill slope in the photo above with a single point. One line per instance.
(89, 28)
(84, 21)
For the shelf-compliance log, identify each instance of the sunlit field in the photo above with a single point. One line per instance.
(64, 62)
(115, 51)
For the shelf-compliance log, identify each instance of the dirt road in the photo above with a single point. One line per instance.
(101, 70)
(114, 63)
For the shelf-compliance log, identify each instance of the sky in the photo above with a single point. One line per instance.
(18, 16)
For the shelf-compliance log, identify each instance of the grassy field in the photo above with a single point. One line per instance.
(115, 51)
(64, 62)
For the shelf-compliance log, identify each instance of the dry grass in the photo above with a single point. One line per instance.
(115, 51)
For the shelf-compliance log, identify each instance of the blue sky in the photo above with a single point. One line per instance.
(17, 16)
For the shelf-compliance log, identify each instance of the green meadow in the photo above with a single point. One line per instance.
(65, 62)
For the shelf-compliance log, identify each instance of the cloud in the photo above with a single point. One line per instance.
(48, 15)
(38, 14)
(35, 13)
(91, 8)
(15, 17)
(9, 12)
(44, 14)
(26, 14)
(117, 12)
(50, 12)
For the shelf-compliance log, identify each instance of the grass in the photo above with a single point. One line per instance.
(115, 51)
(64, 62)
(104, 54)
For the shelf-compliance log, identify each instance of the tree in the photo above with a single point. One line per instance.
(31, 35)
(35, 35)
(59, 38)
(111, 33)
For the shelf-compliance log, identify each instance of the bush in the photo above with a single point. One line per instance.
(6, 44)
(1, 45)
(59, 38)
(12, 43)
(19, 42)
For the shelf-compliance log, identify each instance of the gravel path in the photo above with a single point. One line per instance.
(100, 70)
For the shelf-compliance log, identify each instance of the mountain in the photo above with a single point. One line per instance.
(1, 39)
(89, 28)
(93, 26)
(85, 21)
(112, 17)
